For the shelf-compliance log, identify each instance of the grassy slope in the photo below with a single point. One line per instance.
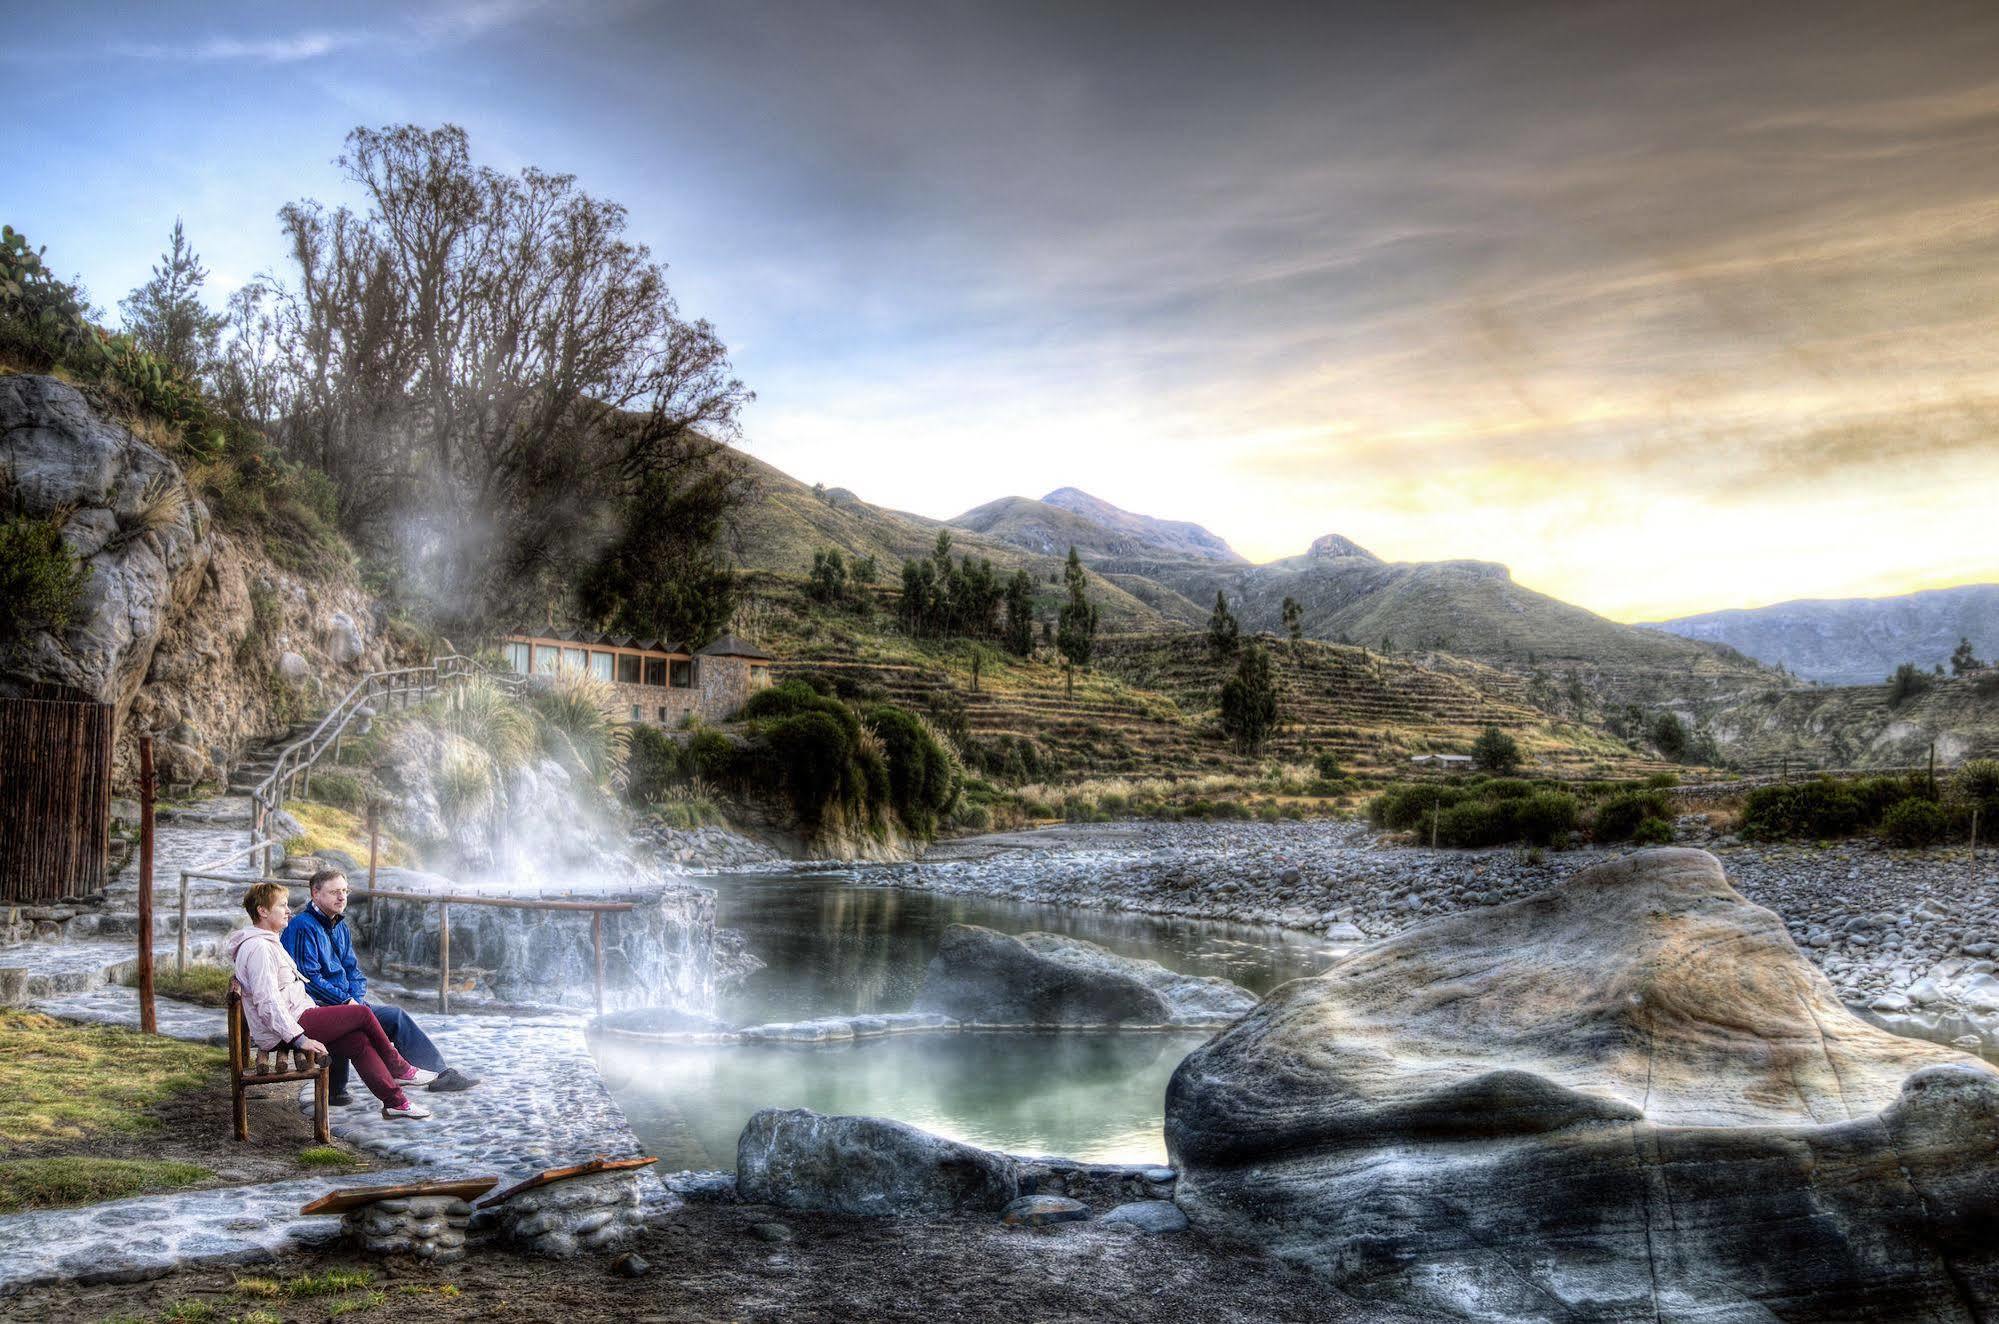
(1148, 708)
(1853, 726)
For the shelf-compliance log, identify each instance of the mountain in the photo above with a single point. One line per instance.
(1854, 641)
(1068, 518)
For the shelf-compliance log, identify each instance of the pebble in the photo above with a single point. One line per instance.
(770, 1231)
(1043, 1211)
(631, 1265)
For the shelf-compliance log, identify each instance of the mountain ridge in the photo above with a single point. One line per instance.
(1852, 641)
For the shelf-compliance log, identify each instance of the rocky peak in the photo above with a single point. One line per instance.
(1336, 545)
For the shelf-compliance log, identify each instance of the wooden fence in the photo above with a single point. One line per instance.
(55, 799)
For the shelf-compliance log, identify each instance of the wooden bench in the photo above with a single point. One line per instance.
(249, 1066)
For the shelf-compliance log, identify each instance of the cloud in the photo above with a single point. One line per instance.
(289, 49)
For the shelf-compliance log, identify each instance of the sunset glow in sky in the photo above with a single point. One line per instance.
(1668, 307)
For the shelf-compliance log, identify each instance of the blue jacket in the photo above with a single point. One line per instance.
(324, 951)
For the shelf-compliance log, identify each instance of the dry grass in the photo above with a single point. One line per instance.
(46, 1183)
(328, 827)
(202, 984)
(66, 1082)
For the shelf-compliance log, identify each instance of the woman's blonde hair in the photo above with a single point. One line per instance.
(262, 896)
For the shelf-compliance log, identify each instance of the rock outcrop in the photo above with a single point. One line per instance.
(1626, 1098)
(985, 977)
(800, 1159)
(195, 636)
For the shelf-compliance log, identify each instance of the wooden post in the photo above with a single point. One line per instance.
(148, 1021)
(1933, 769)
(1974, 833)
(180, 929)
(597, 941)
(374, 844)
(443, 959)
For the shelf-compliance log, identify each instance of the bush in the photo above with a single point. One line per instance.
(578, 711)
(1405, 808)
(1908, 681)
(1619, 817)
(1809, 810)
(1545, 817)
(343, 790)
(1914, 823)
(812, 755)
(41, 583)
(652, 765)
(1653, 832)
(1328, 767)
(923, 776)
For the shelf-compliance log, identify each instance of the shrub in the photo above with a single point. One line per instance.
(1653, 832)
(577, 710)
(1495, 751)
(483, 714)
(1669, 736)
(41, 583)
(923, 776)
(711, 755)
(1814, 809)
(1545, 817)
(653, 764)
(812, 755)
(343, 790)
(1908, 681)
(1404, 808)
(1328, 766)
(1914, 823)
(1662, 781)
(1619, 817)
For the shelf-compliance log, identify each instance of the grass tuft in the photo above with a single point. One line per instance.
(48, 1183)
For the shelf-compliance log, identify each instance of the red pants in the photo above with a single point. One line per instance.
(351, 1031)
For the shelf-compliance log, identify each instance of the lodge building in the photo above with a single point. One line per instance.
(655, 681)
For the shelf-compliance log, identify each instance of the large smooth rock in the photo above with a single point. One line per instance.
(1627, 1098)
(986, 977)
(800, 1159)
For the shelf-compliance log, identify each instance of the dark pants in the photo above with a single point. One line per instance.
(410, 1041)
(351, 1032)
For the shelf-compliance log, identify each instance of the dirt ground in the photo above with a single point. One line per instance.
(709, 1264)
(196, 1127)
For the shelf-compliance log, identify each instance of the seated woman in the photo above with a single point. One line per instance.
(281, 1013)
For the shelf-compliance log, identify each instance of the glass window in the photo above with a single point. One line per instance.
(520, 658)
(628, 668)
(655, 671)
(600, 665)
(575, 659)
(662, 717)
(635, 712)
(547, 659)
(683, 674)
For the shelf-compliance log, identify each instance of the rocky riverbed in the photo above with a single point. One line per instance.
(1911, 935)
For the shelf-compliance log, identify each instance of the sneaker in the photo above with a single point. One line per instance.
(414, 1112)
(451, 1080)
(417, 1076)
(340, 1100)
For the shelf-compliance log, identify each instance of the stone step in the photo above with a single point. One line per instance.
(31, 971)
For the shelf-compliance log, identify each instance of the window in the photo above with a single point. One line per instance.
(600, 665)
(635, 712)
(575, 659)
(628, 668)
(656, 671)
(662, 717)
(683, 675)
(520, 657)
(547, 659)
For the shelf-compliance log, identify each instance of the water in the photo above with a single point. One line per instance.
(834, 947)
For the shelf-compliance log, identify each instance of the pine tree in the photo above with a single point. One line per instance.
(1076, 635)
(1249, 702)
(166, 315)
(1223, 633)
(1294, 619)
(1020, 614)
(1963, 661)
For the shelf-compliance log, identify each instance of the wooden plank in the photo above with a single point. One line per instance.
(359, 1197)
(550, 1176)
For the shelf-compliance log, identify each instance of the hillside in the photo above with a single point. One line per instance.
(1854, 641)
(1147, 709)
(1857, 727)
(778, 531)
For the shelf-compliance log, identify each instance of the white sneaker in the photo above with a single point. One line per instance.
(414, 1112)
(420, 1079)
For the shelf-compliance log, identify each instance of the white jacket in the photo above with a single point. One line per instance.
(273, 990)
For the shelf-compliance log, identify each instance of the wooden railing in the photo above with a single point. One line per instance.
(293, 770)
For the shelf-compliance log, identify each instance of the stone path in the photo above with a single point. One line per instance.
(152, 1235)
(541, 1103)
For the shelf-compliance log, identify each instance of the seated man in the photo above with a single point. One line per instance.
(319, 941)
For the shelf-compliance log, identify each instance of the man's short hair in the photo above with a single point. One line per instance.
(322, 878)
(262, 896)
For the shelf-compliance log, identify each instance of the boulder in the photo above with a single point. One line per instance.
(343, 640)
(800, 1159)
(986, 977)
(1627, 1098)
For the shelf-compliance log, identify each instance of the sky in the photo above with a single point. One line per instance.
(1668, 307)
